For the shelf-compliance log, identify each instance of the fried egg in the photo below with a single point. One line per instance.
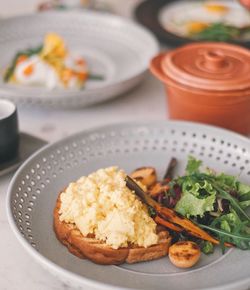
(184, 18)
(34, 71)
(52, 66)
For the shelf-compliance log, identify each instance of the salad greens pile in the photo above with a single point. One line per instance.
(222, 32)
(218, 203)
(219, 32)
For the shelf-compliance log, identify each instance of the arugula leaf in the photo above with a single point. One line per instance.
(234, 202)
(193, 165)
(229, 228)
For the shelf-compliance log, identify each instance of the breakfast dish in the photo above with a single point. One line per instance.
(179, 22)
(34, 191)
(51, 65)
(207, 20)
(110, 48)
(100, 216)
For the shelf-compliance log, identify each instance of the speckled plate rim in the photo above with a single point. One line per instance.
(57, 270)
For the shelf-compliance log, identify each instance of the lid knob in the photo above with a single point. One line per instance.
(214, 60)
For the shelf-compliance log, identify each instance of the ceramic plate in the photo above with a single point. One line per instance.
(112, 46)
(156, 14)
(33, 191)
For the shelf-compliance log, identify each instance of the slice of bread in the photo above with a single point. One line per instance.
(101, 253)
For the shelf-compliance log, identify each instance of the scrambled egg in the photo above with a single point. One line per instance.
(101, 204)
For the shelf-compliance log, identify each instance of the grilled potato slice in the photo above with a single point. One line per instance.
(146, 175)
(184, 254)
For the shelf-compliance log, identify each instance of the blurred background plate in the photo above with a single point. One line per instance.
(34, 189)
(112, 46)
(157, 15)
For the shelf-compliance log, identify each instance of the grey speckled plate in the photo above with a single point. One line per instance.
(112, 46)
(34, 189)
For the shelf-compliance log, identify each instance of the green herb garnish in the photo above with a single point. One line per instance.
(95, 77)
(151, 211)
(218, 32)
(207, 247)
(28, 52)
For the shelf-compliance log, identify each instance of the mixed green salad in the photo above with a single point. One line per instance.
(204, 206)
(216, 202)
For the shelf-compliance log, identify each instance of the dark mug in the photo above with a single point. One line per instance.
(9, 136)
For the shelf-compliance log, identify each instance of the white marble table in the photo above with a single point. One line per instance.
(147, 102)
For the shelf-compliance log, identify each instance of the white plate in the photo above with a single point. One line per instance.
(114, 47)
(34, 189)
(174, 21)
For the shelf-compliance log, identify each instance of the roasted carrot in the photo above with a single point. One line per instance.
(167, 224)
(170, 214)
(188, 225)
(170, 168)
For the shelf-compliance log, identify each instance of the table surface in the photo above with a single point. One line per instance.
(147, 102)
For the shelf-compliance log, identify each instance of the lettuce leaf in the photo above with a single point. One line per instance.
(243, 188)
(245, 204)
(193, 165)
(191, 205)
(228, 181)
(198, 197)
(201, 188)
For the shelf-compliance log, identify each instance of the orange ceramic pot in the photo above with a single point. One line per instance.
(207, 82)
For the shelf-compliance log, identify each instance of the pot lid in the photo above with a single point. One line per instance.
(210, 66)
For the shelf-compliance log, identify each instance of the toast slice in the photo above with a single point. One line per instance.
(101, 253)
